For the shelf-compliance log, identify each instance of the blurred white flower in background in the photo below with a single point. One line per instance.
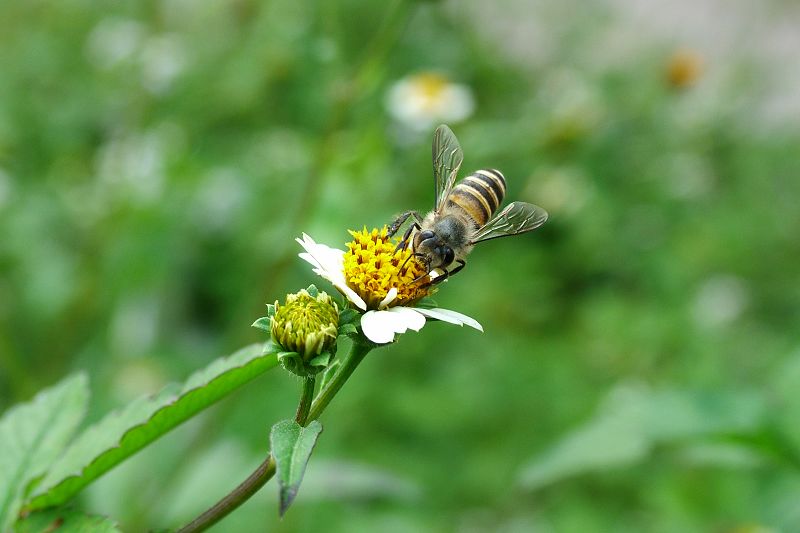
(219, 197)
(160, 59)
(133, 329)
(163, 59)
(425, 99)
(684, 68)
(131, 168)
(720, 300)
(113, 41)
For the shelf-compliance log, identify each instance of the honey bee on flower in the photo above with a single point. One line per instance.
(385, 277)
(380, 280)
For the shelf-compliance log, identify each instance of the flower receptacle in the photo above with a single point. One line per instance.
(306, 326)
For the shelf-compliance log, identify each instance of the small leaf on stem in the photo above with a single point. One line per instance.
(292, 445)
(263, 323)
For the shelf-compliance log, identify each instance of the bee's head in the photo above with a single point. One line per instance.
(435, 253)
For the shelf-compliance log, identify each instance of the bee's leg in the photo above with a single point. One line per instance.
(399, 221)
(404, 241)
(448, 273)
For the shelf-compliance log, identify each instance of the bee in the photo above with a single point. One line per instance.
(462, 216)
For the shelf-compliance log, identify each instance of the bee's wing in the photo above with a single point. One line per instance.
(447, 158)
(517, 217)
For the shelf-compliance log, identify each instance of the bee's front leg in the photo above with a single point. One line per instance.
(399, 221)
(403, 244)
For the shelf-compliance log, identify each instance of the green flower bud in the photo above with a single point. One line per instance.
(306, 326)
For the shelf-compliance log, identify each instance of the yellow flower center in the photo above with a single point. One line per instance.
(372, 268)
(684, 68)
(430, 87)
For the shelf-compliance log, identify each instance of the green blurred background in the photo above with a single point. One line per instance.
(640, 363)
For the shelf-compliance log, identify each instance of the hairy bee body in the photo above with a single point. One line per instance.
(464, 213)
(478, 195)
(469, 206)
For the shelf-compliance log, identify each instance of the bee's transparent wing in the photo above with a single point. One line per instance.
(447, 158)
(517, 217)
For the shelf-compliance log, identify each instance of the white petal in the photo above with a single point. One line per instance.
(407, 318)
(378, 326)
(446, 315)
(460, 103)
(328, 258)
(390, 296)
(306, 242)
(351, 295)
(321, 256)
(308, 258)
(328, 263)
(381, 326)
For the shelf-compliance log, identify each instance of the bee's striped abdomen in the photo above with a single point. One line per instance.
(479, 194)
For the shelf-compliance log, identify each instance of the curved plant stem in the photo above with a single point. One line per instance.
(356, 355)
(237, 497)
(254, 481)
(306, 412)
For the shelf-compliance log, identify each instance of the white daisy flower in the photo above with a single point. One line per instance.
(425, 99)
(380, 282)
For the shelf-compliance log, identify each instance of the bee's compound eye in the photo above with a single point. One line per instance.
(426, 234)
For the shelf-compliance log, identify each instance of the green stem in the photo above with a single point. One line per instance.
(256, 480)
(306, 412)
(356, 355)
(305, 400)
(237, 497)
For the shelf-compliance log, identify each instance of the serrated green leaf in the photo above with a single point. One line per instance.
(292, 445)
(123, 433)
(65, 521)
(32, 435)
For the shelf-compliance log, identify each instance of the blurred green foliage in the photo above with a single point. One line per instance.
(157, 159)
